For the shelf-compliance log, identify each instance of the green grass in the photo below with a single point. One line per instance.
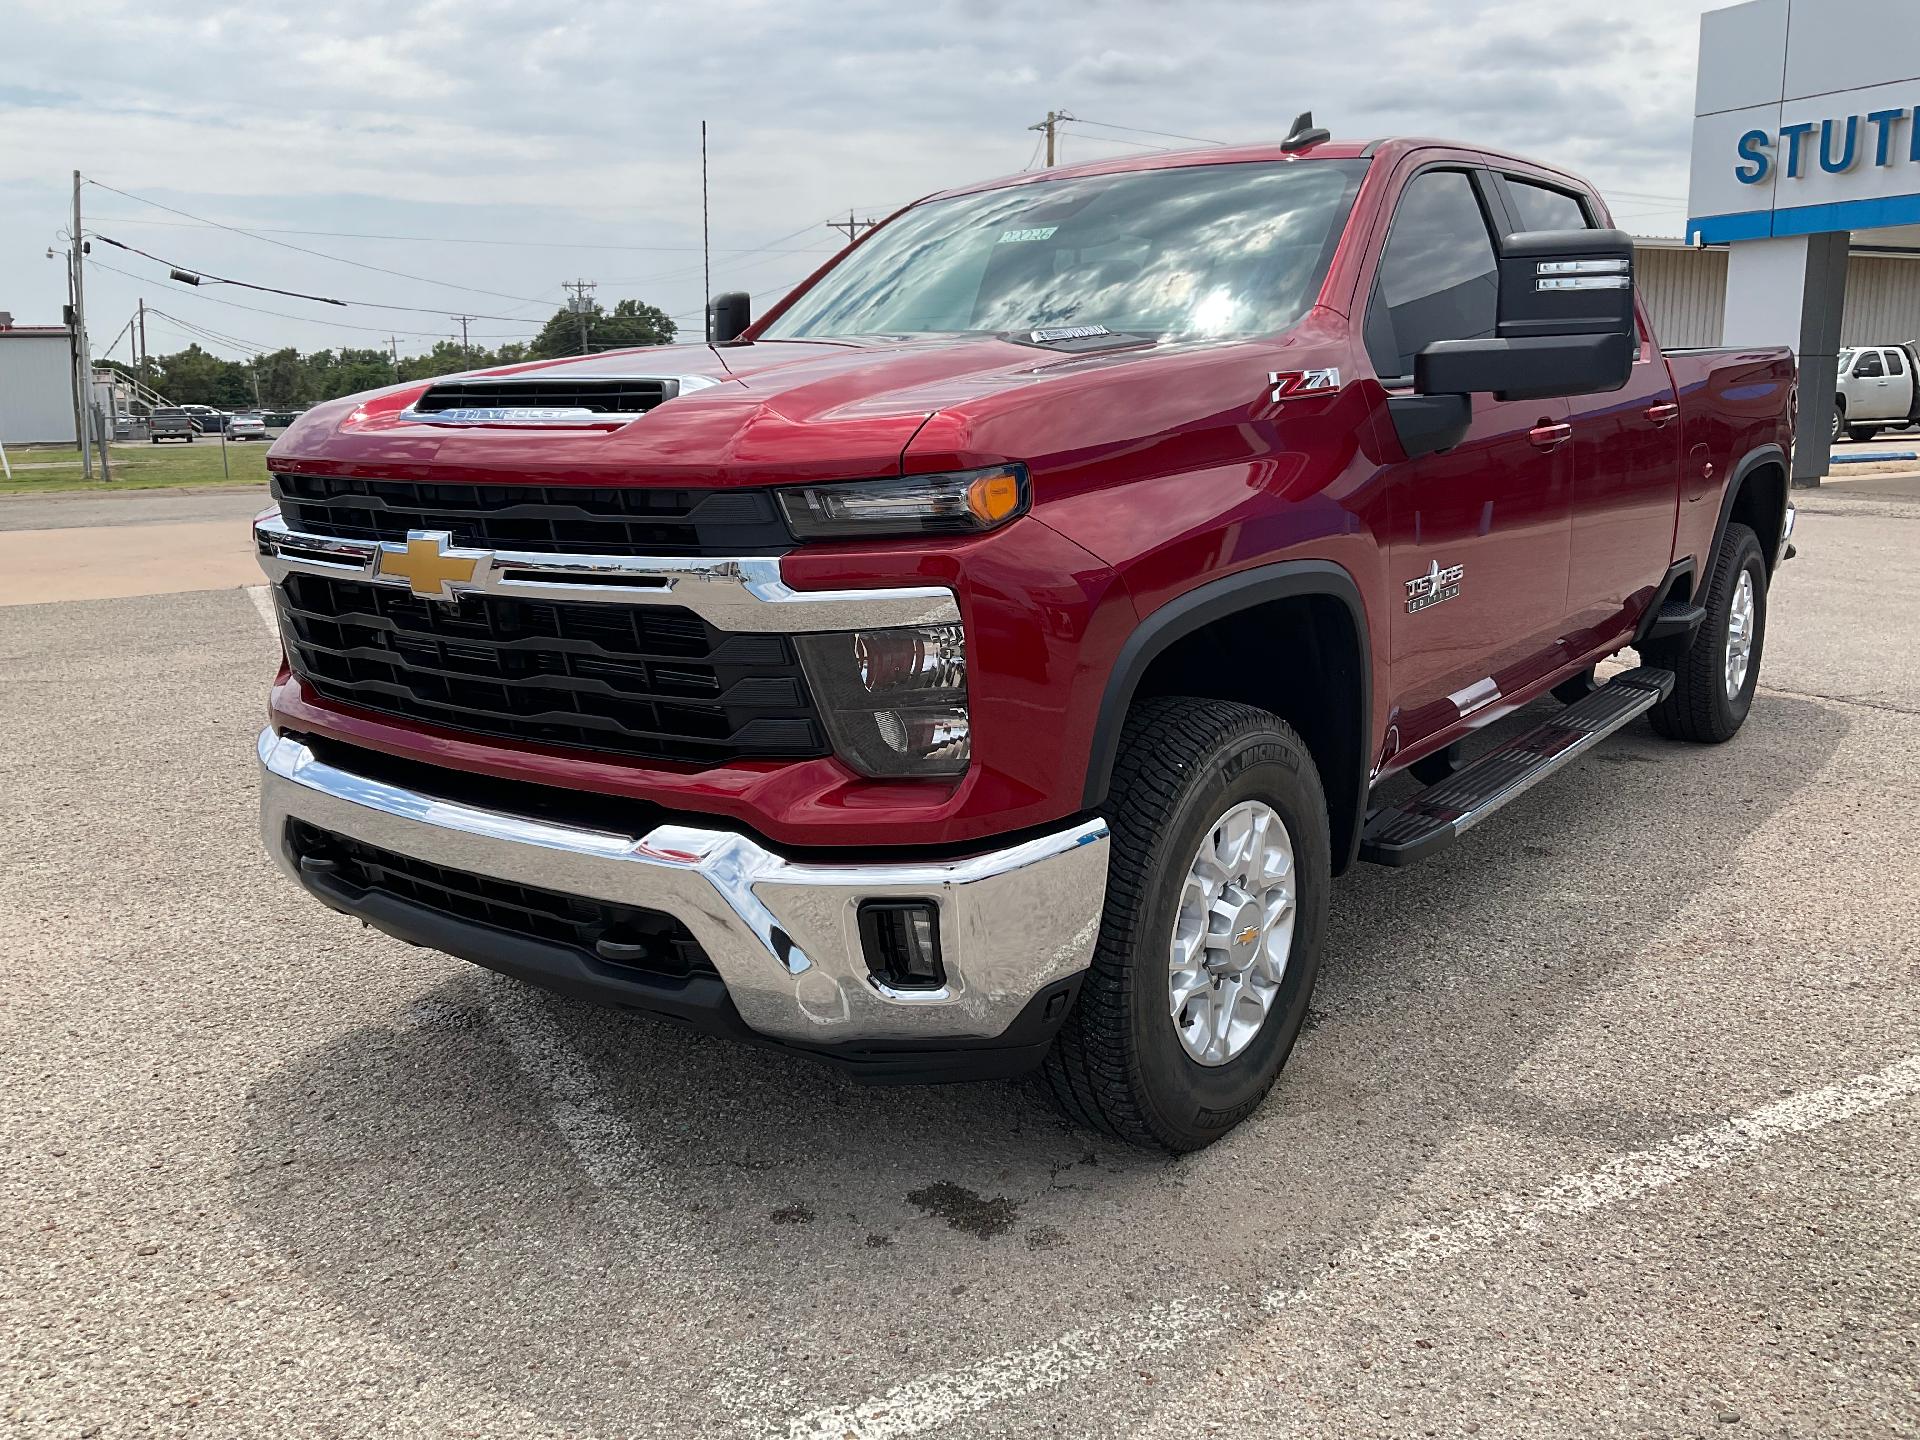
(138, 467)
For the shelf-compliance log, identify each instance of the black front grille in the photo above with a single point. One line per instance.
(652, 681)
(634, 938)
(550, 518)
(609, 395)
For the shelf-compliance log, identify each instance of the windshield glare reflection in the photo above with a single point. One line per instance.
(1205, 250)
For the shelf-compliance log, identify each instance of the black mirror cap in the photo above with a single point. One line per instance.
(1538, 367)
(728, 316)
(1566, 282)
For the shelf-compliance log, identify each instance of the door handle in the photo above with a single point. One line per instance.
(1661, 414)
(1550, 437)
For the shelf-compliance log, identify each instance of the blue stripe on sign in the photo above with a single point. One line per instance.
(1719, 229)
(1805, 219)
(1847, 215)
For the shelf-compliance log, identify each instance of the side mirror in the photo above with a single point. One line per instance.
(1565, 326)
(728, 315)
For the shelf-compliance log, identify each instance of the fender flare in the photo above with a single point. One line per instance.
(1201, 606)
(1751, 461)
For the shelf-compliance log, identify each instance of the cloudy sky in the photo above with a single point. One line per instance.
(564, 134)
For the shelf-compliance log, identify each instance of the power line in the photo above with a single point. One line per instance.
(210, 333)
(304, 250)
(193, 277)
(1142, 130)
(259, 230)
(315, 320)
(194, 335)
(767, 248)
(1115, 140)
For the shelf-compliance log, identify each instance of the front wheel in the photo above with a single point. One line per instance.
(1715, 673)
(1862, 433)
(1216, 911)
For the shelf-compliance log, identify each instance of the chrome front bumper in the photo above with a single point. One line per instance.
(783, 934)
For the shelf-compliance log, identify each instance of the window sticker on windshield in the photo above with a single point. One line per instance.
(1011, 237)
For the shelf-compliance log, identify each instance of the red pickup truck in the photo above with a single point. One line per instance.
(987, 660)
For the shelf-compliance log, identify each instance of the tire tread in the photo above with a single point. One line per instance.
(1694, 710)
(1091, 1073)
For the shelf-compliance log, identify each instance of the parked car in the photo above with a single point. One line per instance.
(987, 660)
(206, 419)
(247, 426)
(171, 422)
(1876, 383)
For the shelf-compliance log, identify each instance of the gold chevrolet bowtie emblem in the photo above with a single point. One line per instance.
(430, 564)
(1246, 936)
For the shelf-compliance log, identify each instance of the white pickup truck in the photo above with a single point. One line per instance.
(1875, 390)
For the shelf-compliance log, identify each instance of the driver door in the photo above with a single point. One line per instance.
(1479, 536)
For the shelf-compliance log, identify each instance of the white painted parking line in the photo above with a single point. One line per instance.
(580, 1108)
(263, 602)
(929, 1405)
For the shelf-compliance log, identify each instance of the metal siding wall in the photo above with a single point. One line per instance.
(1685, 292)
(36, 390)
(1883, 301)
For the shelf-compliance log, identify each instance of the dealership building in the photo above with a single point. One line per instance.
(1806, 167)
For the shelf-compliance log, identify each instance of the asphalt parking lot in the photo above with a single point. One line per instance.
(1605, 1121)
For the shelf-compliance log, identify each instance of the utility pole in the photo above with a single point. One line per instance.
(393, 348)
(70, 316)
(83, 363)
(1051, 125)
(142, 366)
(853, 229)
(582, 292)
(466, 351)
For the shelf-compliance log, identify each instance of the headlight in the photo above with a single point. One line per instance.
(961, 502)
(895, 700)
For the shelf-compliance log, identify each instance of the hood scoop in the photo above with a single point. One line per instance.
(549, 401)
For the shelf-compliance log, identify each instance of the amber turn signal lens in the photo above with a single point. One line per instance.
(994, 497)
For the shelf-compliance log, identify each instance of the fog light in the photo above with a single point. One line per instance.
(895, 700)
(901, 939)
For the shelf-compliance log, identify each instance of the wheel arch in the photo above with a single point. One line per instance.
(1756, 496)
(1314, 614)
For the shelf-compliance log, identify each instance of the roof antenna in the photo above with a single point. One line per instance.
(706, 243)
(1304, 133)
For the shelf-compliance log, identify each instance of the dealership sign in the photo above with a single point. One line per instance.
(1806, 119)
(1884, 137)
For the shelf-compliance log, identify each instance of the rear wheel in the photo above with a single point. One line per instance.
(1210, 942)
(1715, 673)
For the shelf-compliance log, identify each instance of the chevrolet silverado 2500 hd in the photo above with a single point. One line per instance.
(987, 660)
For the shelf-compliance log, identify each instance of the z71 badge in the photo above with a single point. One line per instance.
(1291, 384)
(1434, 586)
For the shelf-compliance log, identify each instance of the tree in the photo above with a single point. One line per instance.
(630, 323)
(283, 380)
(194, 377)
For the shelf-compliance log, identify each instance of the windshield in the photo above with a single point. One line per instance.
(1228, 249)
